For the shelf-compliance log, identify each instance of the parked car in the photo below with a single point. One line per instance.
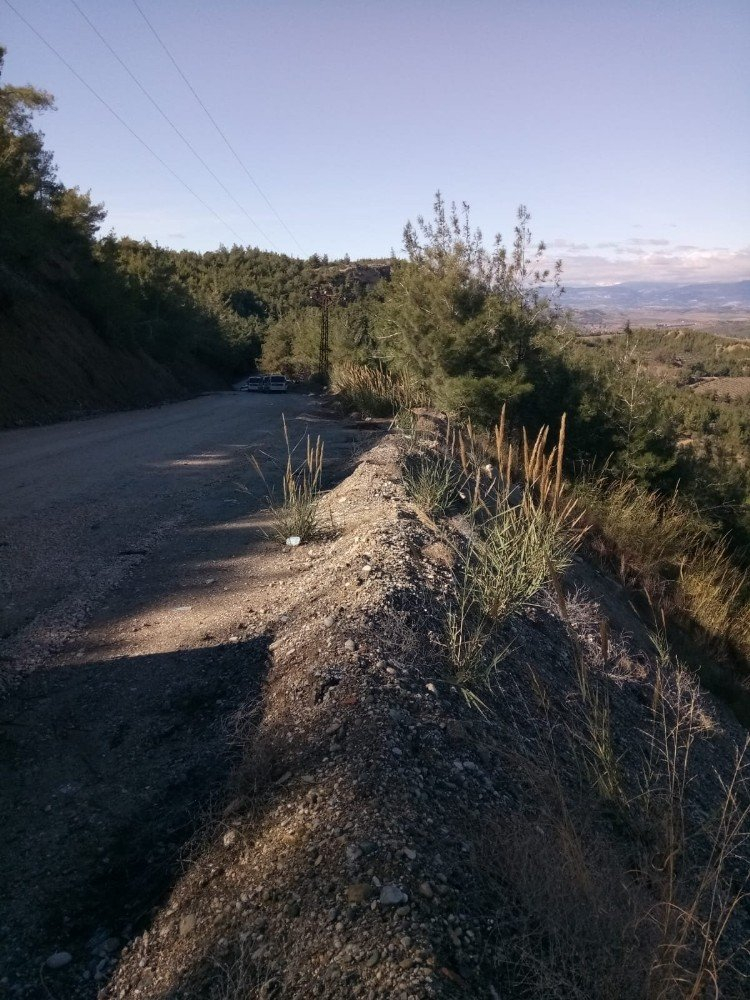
(254, 384)
(276, 383)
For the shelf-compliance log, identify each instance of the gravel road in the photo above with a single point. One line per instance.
(80, 501)
(128, 582)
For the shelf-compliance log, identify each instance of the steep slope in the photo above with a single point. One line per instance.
(54, 366)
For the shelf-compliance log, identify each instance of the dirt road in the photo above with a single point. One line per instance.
(80, 501)
(127, 550)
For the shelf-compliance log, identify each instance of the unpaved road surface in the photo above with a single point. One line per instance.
(127, 578)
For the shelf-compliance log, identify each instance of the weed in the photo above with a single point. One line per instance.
(509, 564)
(432, 480)
(297, 513)
(470, 639)
(243, 974)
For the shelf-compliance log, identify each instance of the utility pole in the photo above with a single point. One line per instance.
(323, 296)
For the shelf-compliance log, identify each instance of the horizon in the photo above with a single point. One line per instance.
(345, 121)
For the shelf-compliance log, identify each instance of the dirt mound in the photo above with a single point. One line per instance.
(388, 837)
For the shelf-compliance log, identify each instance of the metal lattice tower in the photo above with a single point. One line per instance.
(322, 296)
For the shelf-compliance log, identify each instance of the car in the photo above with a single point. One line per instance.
(276, 383)
(254, 384)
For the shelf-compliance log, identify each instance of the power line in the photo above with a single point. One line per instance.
(121, 120)
(169, 121)
(213, 121)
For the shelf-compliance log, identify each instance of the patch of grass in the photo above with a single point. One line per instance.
(660, 545)
(243, 973)
(526, 531)
(703, 879)
(377, 391)
(653, 907)
(511, 559)
(470, 641)
(432, 480)
(523, 535)
(297, 513)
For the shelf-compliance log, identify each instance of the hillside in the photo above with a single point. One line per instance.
(54, 366)
(723, 307)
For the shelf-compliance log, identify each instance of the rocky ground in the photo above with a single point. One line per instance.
(366, 844)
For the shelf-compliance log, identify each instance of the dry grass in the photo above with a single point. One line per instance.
(527, 530)
(297, 514)
(663, 547)
(570, 915)
(655, 911)
(244, 973)
(524, 531)
(377, 392)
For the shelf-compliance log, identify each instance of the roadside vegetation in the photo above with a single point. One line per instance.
(296, 513)
(660, 474)
(624, 871)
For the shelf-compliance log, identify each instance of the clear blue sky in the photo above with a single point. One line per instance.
(624, 126)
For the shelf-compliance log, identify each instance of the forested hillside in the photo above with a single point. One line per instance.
(90, 322)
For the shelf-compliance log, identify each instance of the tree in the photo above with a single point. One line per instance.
(465, 318)
(23, 157)
(75, 208)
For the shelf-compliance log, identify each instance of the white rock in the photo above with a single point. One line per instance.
(59, 960)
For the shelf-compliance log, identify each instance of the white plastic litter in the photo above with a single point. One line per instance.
(293, 540)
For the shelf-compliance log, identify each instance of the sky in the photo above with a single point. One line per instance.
(623, 126)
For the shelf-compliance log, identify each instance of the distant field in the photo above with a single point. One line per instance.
(596, 320)
(736, 387)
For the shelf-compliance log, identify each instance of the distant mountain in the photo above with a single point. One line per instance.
(710, 296)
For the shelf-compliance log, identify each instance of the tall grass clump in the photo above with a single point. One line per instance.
(432, 480)
(667, 548)
(525, 530)
(376, 391)
(297, 513)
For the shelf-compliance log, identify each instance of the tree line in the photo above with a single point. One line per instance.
(213, 307)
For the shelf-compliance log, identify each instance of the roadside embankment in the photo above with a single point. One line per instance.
(391, 833)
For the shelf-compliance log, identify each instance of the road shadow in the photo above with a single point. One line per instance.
(107, 770)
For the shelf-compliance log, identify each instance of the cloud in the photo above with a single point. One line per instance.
(641, 242)
(679, 264)
(568, 245)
